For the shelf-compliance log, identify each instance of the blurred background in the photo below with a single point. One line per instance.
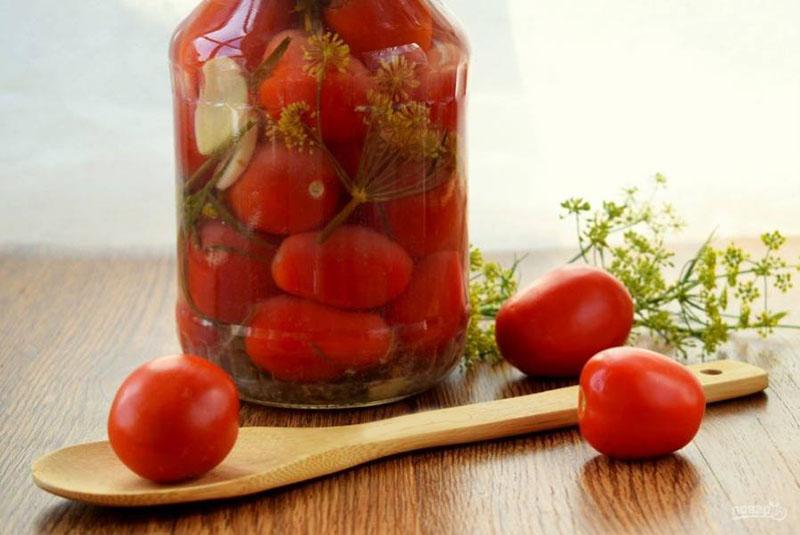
(568, 98)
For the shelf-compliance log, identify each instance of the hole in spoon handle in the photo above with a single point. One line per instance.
(728, 379)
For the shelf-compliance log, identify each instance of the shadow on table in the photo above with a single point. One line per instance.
(649, 495)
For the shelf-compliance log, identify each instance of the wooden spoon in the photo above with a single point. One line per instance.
(269, 457)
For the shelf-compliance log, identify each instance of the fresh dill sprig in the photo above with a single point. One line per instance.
(490, 285)
(719, 291)
(404, 154)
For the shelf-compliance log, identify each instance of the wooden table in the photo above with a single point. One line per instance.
(72, 327)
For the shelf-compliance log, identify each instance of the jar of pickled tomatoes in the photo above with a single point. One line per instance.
(321, 196)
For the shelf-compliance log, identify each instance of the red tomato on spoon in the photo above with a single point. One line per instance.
(635, 403)
(557, 324)
(174, 418)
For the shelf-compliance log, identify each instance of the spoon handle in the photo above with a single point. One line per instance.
(721, 380)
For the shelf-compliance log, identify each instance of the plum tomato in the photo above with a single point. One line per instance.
(284, 191)
(174, 418)
(375, 24)
(553, 327)
(443, 84)
(230, 29)
(272, 17)
(355, 268)
(343, 92)
(430, 222)
(348, 155)
(228, 272)
(635, 404)
(196, 334)
(434, 308)
(298, 340)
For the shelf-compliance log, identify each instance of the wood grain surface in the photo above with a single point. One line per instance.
(72, 327)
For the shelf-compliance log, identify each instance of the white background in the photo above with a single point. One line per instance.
(569, 97)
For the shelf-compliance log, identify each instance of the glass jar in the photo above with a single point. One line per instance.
(321, 196)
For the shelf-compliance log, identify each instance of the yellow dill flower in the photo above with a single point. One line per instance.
(210, 211)
(325, 51)
(407, 127)
(396, 78)
(291, 127)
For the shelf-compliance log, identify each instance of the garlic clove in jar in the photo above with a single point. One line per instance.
(222, 108)
(242, 154)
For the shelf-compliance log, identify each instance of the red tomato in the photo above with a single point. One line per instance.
(434, 308)
(348, 155)
(342, 92)
(354, 268)
(229, 29)
(374, 24)
(298, 340)
(259, 28)
(186, 152)
(635, 403)
(558, 323)
(443, 85)
(284, 191)
(228, 273)
(197, 335)
(174, 418)
(430, 222)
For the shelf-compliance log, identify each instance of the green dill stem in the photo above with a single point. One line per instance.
(197, 201)
(218, 154)
(337, 167)
(203, 169)
(268, 65)
(340, 218)
(591, 248)
(231, 220)
(320, 80)
(581, 254)
(239, 252)
(678, 290)
(779, 326)
(344, 177)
